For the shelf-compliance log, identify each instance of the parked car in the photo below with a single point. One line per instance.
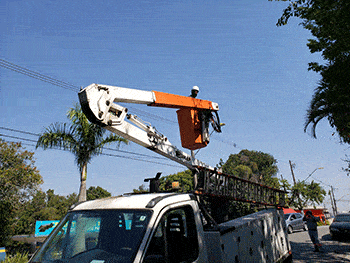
(340, 226)
(294, 221)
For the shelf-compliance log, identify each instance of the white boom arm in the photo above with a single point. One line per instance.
(99, 103)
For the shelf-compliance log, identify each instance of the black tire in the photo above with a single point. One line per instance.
(333, 236)
(290, 229)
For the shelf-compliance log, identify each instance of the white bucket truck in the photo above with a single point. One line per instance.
(168, 227)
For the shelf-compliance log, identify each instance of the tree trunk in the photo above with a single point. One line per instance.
(82, 190)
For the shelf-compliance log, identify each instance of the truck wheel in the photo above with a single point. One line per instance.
(290, 229)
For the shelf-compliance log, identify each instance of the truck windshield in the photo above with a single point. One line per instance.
(95, 236)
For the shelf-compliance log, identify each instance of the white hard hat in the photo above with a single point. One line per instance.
(195, 88)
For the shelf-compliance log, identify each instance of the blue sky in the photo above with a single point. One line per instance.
(232, 50)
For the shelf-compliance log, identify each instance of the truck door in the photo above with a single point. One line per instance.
(175, 239)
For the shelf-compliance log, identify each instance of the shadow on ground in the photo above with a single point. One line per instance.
(331, 251)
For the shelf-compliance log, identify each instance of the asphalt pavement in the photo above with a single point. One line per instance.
(331, 250)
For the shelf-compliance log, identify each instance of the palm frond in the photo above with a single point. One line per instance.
(57, 135)
(319, 109)
(112, 138)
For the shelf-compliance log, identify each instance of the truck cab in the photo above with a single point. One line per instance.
(162, 227)
(129, 228)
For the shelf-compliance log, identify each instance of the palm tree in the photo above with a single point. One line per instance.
(82, 138)
(331, 100)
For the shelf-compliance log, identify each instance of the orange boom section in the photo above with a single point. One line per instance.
(176, 101)
(188, 115)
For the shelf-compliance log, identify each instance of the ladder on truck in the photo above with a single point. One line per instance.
(213, 183)
(99, 104)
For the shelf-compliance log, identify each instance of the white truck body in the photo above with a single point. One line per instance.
(259, 237)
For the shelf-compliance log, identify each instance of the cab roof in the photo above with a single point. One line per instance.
(134, 201)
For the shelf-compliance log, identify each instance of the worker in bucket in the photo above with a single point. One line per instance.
(194, 92)
(311, 222)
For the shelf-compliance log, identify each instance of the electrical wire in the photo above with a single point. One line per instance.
(104, 148)
(68, 86)
(139, 154)
(106, 154)
(320, 181)
(37, 75)
(151, 115)
(143, 160)
(24, 132)
(156, 117)
(18, 138)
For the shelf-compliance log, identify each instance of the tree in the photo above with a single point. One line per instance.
(304, 194)
(19, 179)
(185, 180)
(84, 139)
(30, 211)
(42, 206)
(142, 189)
(254, 166)
(286, 186)
(97, 193)
(329, 23)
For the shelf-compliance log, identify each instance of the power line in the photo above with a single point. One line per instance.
(24, 132)
(59, 83)
(37, 75)
(104, 148)
(226, 142)
(143, 160)
(15, 137)
(151, 115)
(157, 117)
(320, 181)
(139, 154)
(66, 85)
(106, 154)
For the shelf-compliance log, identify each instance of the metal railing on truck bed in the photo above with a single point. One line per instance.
(217, 184)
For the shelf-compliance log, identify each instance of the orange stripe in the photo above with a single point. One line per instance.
(176, 101)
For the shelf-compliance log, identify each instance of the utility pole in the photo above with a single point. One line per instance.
(297, 192)
(332, 202)
(291, 168)
(335, 204)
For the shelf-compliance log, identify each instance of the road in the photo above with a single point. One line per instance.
(332, 251)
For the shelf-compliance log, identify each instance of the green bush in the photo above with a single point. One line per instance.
(17, 258)
(15, 247)
(321, 223)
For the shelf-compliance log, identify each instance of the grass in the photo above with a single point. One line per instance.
(17, 258)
